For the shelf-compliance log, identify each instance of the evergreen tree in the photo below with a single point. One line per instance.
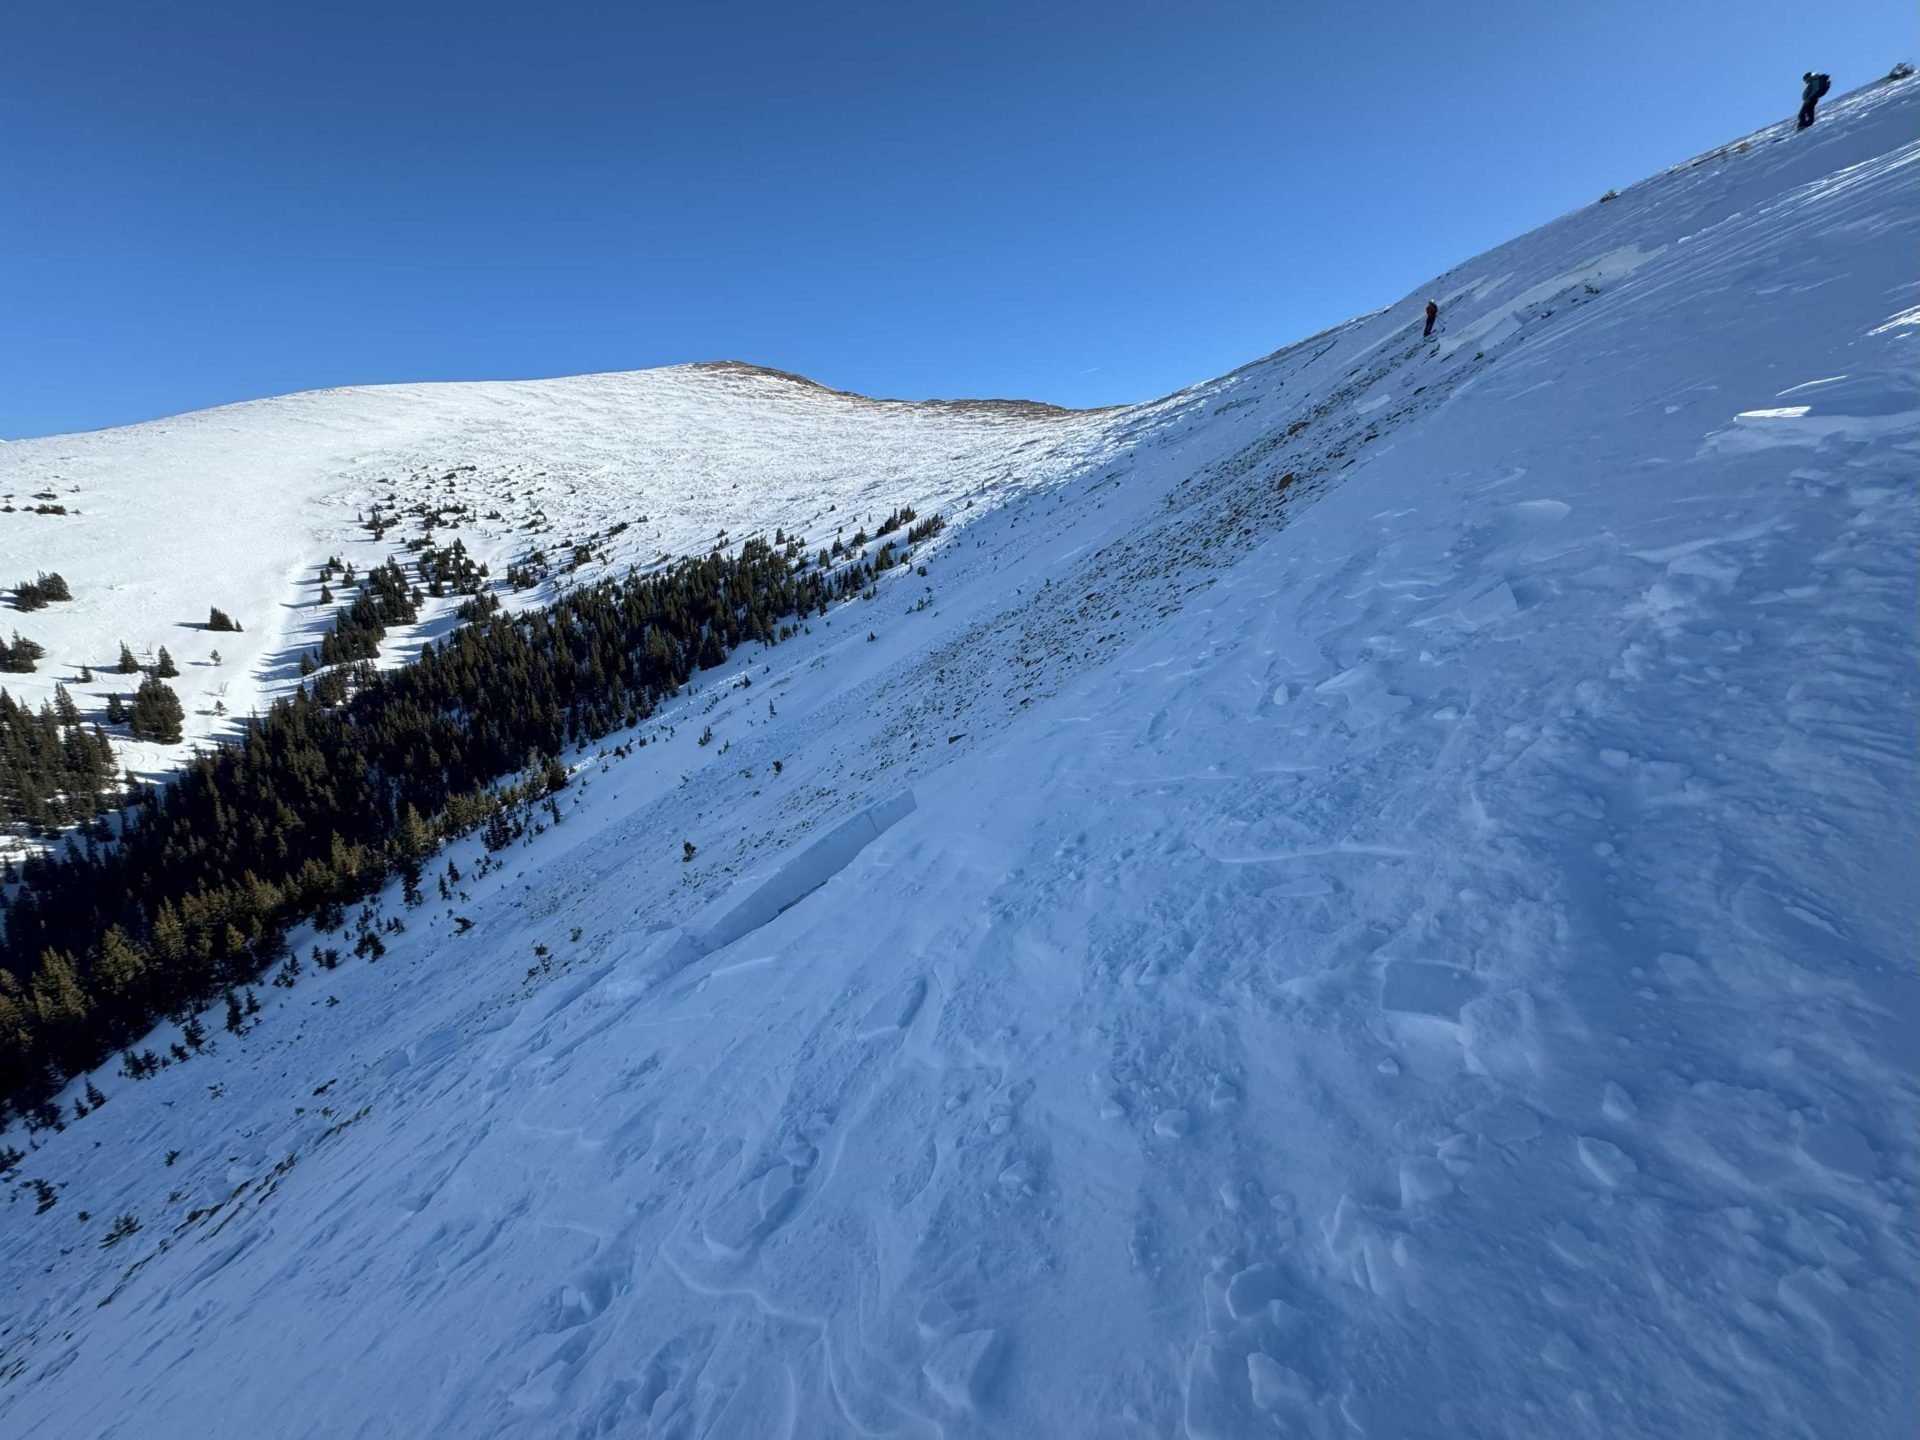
(128, 664)
(412, 843)
(22, 656)
(38, 593)
(55, 769)
(164, 666)
(499, 832)
(352, 778)
(121, 966)
(156, 713)
(57, 997)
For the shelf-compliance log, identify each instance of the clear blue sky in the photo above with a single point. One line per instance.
(218, 199)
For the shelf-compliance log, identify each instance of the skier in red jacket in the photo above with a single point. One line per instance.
(1433, 313)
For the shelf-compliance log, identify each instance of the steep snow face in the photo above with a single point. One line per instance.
(238, 507)
(1380, 904)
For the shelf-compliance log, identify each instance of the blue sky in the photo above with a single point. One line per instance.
(1085, 203)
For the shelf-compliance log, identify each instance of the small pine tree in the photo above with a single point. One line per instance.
(164, 666)
(499, 832)
(119, 965)
(21, 657)
(156, 713)
(218, 619)
(412, 842)
(116, 710)
(128, 665)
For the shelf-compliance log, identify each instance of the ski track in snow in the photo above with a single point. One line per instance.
(1378, 900)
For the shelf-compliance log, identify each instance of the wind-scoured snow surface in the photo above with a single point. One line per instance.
(1423, 948)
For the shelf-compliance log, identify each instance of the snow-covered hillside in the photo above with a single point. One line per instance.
(239, 507)
(1376, 896)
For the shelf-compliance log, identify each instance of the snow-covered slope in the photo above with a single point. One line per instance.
(1378, 901)
(238, 507)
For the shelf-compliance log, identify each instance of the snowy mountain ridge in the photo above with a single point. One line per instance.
(239, 506)
(1373, 897)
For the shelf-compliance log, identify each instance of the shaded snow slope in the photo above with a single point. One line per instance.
(1382, 903)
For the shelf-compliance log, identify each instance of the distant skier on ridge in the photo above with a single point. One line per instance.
(1816, 86)
(1433, 314)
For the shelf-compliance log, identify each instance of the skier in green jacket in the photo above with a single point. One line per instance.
(1816, 86)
